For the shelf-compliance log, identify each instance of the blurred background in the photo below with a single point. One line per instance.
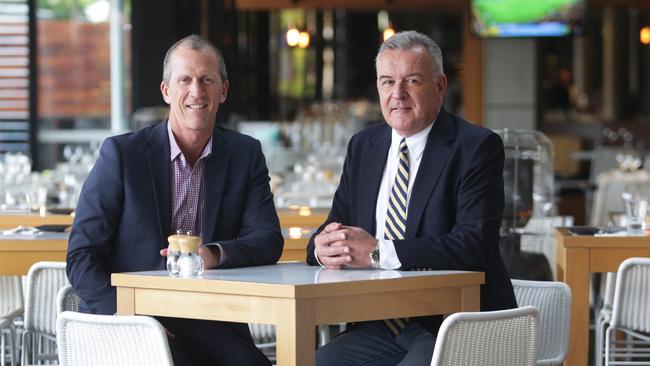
(566, 84)
(73, 72)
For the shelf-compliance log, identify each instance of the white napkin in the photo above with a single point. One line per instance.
(22, 230)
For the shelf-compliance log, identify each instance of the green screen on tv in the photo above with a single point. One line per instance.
(526, 18)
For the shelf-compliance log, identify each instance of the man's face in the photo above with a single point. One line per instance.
(194, 90)
(410, 94)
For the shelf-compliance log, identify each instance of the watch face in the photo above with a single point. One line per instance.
(374, 257)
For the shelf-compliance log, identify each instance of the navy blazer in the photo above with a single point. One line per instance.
(124, 213)
(455, 208)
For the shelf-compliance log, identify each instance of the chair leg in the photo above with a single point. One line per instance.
(609, 339)
(12, 348)
(2, 347)
(25, 349)
(600, 339)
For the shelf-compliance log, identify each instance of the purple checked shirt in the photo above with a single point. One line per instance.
(186, 188)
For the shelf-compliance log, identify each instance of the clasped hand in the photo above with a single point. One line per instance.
(339, 246)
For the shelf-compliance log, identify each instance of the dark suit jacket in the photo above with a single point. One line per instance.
(124, 213)
(455, 208)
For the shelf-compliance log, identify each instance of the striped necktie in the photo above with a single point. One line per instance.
(396, 212)
(396, 216)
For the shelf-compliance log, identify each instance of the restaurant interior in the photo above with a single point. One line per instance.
(568, 93)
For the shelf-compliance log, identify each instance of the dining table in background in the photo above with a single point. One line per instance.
(577, 257)
(19, 251)
(12, 219)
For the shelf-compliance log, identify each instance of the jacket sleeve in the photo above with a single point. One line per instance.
(260, 240)
(91, 240)
(473, 240)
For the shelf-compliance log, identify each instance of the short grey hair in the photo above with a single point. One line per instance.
(410, 39)
(195, 43)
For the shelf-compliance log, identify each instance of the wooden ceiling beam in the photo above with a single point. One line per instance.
(641, 4)
(350, 4)
(398, 4)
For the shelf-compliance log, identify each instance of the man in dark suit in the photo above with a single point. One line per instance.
(423, 191)
(182, 174)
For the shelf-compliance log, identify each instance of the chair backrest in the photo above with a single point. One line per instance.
(608, 197)
(631, 307)
(107, 340)
(11, 297)
(490, 338)
(67, 300)
(44, 280)
(553, 301)
(263, 334)
(608, 297)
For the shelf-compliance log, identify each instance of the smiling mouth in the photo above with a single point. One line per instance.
(196, 106)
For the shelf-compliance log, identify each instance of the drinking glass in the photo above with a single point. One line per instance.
(636, 208)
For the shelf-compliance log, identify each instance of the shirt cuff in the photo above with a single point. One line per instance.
(317, 260)
(222, 253)
(388, 255)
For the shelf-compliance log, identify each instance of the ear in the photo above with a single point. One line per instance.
(442, 85)
(224, 91)
(164, 90)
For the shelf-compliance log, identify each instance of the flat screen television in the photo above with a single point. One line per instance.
(527, 18)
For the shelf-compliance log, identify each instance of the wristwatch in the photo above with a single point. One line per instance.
(374, 258)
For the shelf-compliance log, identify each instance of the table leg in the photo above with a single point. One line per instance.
(559, 257)
(125, 301)
(295, 334)
(576, 276)
(559, 273)
(471, 298)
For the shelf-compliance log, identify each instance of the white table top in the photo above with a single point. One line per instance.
(297, 273)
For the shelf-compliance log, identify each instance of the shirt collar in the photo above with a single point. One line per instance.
(175, 150)
(415, 142)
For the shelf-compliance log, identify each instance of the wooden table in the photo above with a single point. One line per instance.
(19, 252)
(295, 243)
(296, 297)
(302, 216)
(577, 257)
(297, 225)
(289, 217)
(10, 221)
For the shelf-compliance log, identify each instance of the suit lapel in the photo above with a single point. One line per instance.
(434, 158)
(214, 177)
(158, 160)
(371, 172)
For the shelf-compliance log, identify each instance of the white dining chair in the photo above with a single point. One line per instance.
(44, 280)
(489, 338)
(603, 318)
(109, 340)
(553, 301)
(627, 338)
(67, 300)
(11, 307)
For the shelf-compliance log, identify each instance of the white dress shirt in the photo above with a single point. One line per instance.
(387, 255)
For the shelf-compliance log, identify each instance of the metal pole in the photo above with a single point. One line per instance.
(118, 116)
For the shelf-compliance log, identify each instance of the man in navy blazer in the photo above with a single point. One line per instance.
(424, 191)
(182, 174)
